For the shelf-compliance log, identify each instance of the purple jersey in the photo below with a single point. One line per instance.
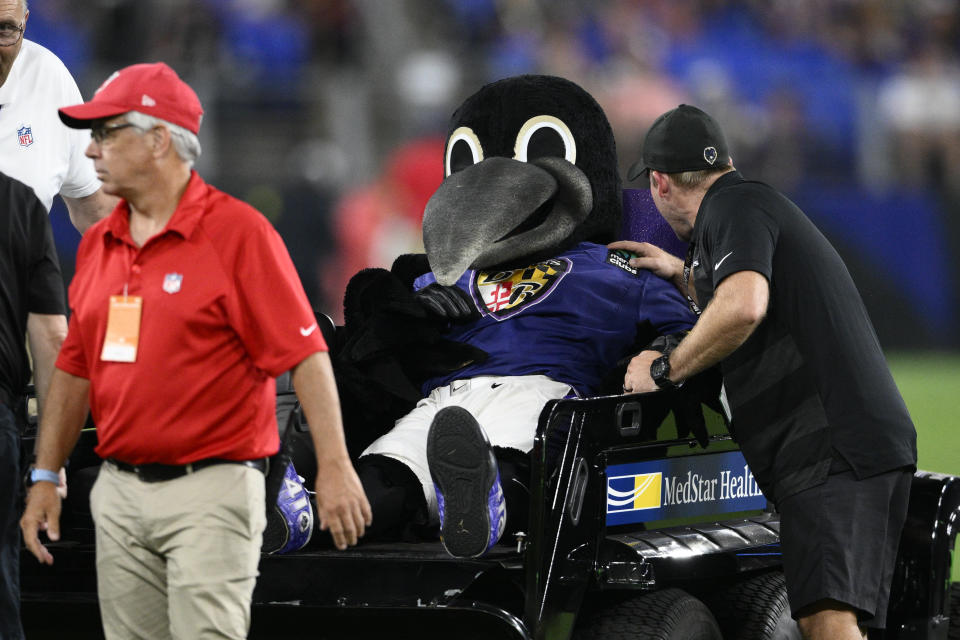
(570, 318)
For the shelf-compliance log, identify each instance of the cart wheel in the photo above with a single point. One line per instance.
(671, 614)
(953, 632)
(755, 609)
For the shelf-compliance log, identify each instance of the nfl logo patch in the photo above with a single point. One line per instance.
(25, 135)
(171, 282)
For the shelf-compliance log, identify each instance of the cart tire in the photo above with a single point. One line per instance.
(671, 614)
(755, 609)
(953, 631)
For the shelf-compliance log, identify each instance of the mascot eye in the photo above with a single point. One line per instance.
(543, 136)
(463, 150)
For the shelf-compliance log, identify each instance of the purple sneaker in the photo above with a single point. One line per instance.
(473, 513)
(290, 522)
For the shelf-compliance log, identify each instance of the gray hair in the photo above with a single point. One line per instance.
(185, 142)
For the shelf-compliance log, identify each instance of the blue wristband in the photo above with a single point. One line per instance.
(44, 475)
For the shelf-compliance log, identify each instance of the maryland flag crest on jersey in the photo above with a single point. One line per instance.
(505, 293)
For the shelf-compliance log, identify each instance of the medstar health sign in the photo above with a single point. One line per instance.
(680, 487)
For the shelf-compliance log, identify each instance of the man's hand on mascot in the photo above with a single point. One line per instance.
(652, 258)
(637, 378)
(452, 303)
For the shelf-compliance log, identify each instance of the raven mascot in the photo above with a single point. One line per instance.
(445, 362)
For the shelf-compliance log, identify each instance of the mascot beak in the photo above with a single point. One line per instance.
(500, 209)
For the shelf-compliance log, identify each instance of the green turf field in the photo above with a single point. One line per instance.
(930, 384)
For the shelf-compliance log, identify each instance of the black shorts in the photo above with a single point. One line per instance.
(840, 540)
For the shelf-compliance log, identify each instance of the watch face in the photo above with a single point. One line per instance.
(659, 370)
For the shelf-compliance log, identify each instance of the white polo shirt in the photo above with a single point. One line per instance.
(35, 146)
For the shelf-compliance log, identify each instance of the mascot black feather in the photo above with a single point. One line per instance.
(445, 362)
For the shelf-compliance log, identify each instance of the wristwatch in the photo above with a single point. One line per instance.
(660, 372)
(42, 475)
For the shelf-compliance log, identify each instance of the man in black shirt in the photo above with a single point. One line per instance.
(813, 405)
(32, 304)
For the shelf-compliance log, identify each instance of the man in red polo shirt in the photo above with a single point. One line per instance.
(185, 305)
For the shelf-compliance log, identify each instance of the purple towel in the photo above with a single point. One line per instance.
(643, 223)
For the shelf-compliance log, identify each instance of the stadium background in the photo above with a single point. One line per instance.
(328, 115)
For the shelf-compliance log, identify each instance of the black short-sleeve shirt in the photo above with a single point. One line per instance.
(30, 280)
(811, 383)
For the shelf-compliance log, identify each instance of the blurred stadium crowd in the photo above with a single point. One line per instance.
(329, 115)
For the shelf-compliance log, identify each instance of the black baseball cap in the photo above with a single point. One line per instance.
(682, 139)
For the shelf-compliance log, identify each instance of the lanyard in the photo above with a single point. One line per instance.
(687, 268)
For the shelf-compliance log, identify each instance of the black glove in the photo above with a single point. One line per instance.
(665, 344)
(689, 417)
(701, 390)
(452, 303)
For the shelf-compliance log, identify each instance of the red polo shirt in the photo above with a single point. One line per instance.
(223, 314)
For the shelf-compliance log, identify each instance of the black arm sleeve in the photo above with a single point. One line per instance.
(45, 292)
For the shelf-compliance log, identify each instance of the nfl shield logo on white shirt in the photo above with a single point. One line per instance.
(25, 135)
(171, 282)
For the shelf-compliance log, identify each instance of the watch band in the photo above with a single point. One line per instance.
(44, 475)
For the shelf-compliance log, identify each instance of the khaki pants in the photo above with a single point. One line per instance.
(178, 559)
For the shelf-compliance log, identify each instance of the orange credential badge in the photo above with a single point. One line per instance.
(123, 329)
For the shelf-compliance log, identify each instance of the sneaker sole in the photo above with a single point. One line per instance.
(459, 458)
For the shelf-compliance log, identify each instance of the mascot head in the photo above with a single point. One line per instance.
(530, 169)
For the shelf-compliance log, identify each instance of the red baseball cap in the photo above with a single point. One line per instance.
(153, 89)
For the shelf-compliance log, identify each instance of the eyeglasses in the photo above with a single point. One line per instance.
(99, 134)
(10, 34)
